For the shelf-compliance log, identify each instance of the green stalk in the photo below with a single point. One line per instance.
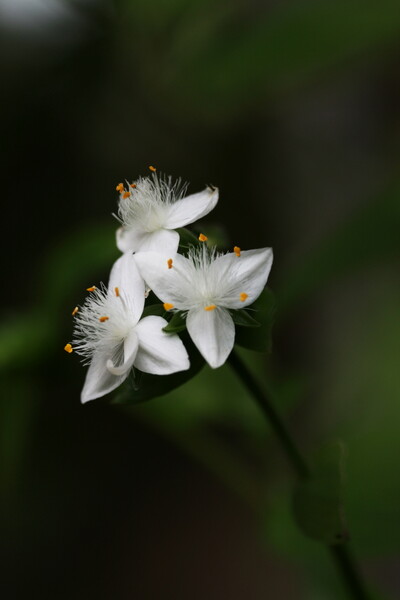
(347, 568)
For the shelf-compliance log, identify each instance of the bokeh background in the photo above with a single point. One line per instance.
(291, 107)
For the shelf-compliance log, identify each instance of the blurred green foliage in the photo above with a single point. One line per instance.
(220, 88)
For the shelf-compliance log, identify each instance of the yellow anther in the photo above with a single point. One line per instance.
(237, 250)
(170, 262)
(243, 296)
(91, 289)
(152, 169)
(210, 307)
(168, 306)
(203, 238)
(120, 187)
(116, 290)
(68, 348)
(103, 319)
(126, 195)
(75, 311)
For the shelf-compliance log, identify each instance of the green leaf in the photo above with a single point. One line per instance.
(243, 318)
(154, 309)
(318, 500)
(187, 238)
(176, 324)
(146, 386)
(263, 313)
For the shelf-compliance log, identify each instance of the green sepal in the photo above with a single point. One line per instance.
(176, 324)
(244, 319)
(263, 312)
(318, 500)
(141, 387)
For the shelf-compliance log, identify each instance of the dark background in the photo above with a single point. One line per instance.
(292, 109)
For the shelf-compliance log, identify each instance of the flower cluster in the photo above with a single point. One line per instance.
(204, 287)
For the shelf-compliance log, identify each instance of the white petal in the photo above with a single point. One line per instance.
(99, 381)
(213, 332)
(126, 278)
(190, 209)
(129, 240)
(159, 353)
(244, 274)
(172, 285)
(130, 350)
(161, 240)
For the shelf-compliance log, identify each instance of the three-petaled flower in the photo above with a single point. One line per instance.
(207, 285)
(110, 335)
(153, 207)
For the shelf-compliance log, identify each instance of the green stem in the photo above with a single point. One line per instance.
(349, 572)
(292, 452)
(344, 562)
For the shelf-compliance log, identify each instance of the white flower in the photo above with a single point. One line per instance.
(206, 285)
(152, 208)
(109, 334)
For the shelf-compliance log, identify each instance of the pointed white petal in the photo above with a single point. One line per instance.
(161, 240)
(129, 240)
(99, 381)
(173, 285)
(126, 281)
(130, 350)
(159, 353)
(213, 332)
(190, 209)
(244, 274)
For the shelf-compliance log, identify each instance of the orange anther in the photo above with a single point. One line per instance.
(170, 263)
(210, 307)
(91, 289)
(237, 250)
(120, 187)
(133, 185)
(75, 311)
(68, 348)
(116, 290)
(203, 238)
(152, 169)
(168, 306)
(243, 296)
(103, 319)
(126, 195)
